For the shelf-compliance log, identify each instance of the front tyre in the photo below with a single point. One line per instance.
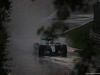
(41, 50)
(64, 50)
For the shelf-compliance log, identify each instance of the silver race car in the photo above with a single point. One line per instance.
(49, 48)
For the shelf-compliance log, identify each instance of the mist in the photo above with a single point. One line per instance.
(26, 18)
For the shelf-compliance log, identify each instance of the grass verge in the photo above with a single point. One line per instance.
(80, 36)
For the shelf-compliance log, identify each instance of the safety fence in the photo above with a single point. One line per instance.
(95, 37)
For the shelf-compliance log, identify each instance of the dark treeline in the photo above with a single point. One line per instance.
(63, 8)
(4, 17)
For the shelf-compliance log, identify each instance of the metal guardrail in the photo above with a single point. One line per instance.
(79, 26)
(94, 34)
(95, 37)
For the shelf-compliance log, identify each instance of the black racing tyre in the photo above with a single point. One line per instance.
(41, 50)
(64, 50)
(49, 49)
(57, 48)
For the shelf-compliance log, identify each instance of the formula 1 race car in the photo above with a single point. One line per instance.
(49, 48)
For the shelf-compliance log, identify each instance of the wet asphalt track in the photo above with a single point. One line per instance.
(27, 62)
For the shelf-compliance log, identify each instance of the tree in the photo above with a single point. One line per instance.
(65, 7)
(4, 17)
(54, 30)
(4, 11)
(63, 10)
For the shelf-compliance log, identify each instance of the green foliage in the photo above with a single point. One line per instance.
(87, 53)
(40, 30)
(71, 3)
(86, 61)
(5, 4)
(3, 52)
(32, 0)
(4, 17)
(62, 14)
(54, 30)
(81, 68)
(64, 7)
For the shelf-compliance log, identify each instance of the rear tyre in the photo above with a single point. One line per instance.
(48, 48)
(57, 48)
(41, 50)
(64, 50)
